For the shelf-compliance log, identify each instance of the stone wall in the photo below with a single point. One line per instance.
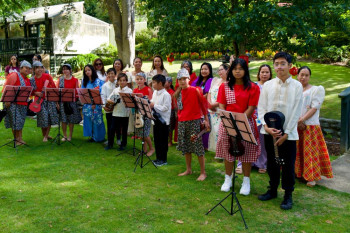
(330, 127)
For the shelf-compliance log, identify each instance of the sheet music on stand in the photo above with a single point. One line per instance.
(16, 94)
(242, 125)
(144, 107)
(60, 95)
(89, 96)
(127, 99)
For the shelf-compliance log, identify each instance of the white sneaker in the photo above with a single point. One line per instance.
(227, 184)
(245, 189)
(119, 142)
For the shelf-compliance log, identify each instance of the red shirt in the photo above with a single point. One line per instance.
(41, 81)
(171, 93)
(193, 77)
(13, 80)
(71, 83)
(191, 105)
(146, 91)
(244, 98)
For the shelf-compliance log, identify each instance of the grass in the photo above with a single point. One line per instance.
(333, 78)
(83, 188)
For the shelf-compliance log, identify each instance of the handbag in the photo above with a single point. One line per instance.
(68, 110)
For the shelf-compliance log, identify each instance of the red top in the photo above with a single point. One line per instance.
(13, 80)
(192, 105)
(171, 93)
(71, 83)
(146, 91)
(193, 77)
(244, 98)
(41, 81)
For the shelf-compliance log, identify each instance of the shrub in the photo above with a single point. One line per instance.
(78, 62)
(106, 50)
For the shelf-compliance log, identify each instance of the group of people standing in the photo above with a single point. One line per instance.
(189, 108)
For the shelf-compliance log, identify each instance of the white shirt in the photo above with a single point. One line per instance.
(100, 76)
(162, 104)
(313, 98)
(106, 91)
(285, 97)
(120, 110)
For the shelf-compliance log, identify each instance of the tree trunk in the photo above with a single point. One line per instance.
(122, 15)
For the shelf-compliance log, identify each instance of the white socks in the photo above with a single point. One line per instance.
(245, 189)
(227, 184)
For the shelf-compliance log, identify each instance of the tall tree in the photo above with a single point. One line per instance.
(122, 16)
(246, 23)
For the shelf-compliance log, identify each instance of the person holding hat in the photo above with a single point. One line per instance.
(69, 117)
(48, 114)
(192, 106)
(16, 112)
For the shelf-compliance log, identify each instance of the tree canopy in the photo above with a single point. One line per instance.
(246, 24)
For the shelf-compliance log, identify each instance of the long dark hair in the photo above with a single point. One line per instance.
(121, 62)
(246, 78)
(161, 61)
(264, 65)
(17, 62)
(200, 77)
(103, 66)
(93, 75)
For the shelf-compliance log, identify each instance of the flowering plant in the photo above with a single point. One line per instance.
(293, 71)
(170, 58)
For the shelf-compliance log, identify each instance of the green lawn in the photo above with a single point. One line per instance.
(83, 188)
(333, 78)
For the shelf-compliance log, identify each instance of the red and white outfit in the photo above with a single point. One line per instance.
(238, 100)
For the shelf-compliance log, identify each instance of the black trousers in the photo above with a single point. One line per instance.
(287, 151)
(161, 134)
(119, 127)
(109, 119)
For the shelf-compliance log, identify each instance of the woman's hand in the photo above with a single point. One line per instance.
(93, 107)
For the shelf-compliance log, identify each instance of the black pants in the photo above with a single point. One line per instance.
(287, 151)
(161, 134)
(109, 119)
(119, 126)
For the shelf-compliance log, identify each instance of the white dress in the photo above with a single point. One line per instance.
(214, 116)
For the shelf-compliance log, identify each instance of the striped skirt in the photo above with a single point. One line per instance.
(312, 158)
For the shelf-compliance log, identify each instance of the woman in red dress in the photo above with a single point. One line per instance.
(240, 95)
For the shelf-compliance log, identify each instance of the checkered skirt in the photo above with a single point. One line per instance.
(312, 158)
(251, 151)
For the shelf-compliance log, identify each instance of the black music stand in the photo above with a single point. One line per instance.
(15, 94)
(130, 102)
(237, 126)
(146, 112)
(92, 97)
(59, 95)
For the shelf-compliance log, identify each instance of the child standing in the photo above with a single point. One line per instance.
(146, 92)
(107, 90)
(120, 113)
(173, 119)
(190, 111)
(161, 103)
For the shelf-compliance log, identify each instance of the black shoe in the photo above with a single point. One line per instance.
(91, 140)
(287, 202)
(108, 147)
(155, 161)
(121, 148)
(268, 195)
(161, 163)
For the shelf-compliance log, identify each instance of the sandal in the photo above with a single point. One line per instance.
(262, 170)
(239, 170)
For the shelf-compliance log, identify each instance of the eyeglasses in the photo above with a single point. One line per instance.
(98, 64)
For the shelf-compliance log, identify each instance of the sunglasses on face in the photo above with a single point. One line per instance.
(98, 64)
